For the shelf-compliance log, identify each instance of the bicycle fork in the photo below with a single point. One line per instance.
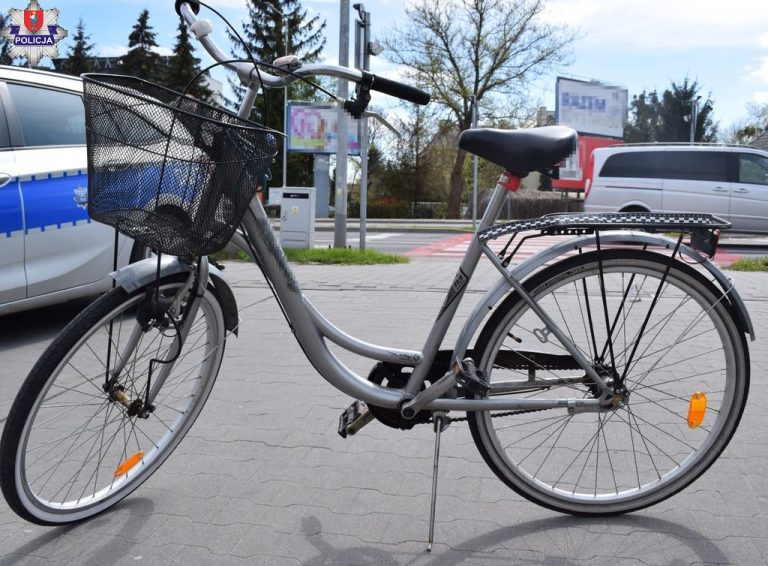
(195, 285)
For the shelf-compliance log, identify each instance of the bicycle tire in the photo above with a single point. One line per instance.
(622, 460)
(69, 450)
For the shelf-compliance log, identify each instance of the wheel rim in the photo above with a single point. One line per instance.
(643, 451)
(80, 451)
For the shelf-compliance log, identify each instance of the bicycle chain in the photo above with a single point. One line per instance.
(498, 415)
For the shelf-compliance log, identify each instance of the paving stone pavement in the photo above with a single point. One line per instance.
(263, 478)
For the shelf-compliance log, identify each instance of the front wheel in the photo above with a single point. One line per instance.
(77, 439)
(651, 439)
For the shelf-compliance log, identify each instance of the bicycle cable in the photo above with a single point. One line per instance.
(251, 59)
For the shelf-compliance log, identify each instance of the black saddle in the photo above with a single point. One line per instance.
(521, 151)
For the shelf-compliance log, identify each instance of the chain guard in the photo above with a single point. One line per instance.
(394, 376)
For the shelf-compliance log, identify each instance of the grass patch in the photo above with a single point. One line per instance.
(223, 255)
(750, 264)
(343, 256)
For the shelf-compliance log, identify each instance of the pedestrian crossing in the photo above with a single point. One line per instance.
(455, 247)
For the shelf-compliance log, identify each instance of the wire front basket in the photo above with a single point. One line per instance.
(167, 170)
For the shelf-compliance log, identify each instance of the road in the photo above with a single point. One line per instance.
(391, 242)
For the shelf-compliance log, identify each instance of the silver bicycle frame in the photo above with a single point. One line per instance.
(312, 329)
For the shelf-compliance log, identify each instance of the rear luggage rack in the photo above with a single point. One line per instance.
(567, 223)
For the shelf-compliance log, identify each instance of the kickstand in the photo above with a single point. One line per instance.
(441, 422)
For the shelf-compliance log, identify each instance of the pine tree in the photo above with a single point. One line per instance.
(141, 61)
(264, 32)
(184, 66)
(666, 118)
(80, 58)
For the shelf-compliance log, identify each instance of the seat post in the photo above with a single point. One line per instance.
(507, 182)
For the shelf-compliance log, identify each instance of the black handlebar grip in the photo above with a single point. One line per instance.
(192, 4)
(399, 90)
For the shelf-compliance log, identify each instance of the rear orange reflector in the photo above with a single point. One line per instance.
(123, 468)
(696, 409)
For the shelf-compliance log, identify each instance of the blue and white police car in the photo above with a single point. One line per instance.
(50, 251)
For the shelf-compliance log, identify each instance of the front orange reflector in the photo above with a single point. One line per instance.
(696, 409)
(123, 468)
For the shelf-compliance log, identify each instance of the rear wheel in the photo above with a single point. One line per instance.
(73, 444)
(640, 448)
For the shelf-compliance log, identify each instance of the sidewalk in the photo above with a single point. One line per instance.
(264, 479)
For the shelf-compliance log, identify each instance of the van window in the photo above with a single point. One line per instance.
(644, 164)
(49, 117)
(696, 165)
(753, 169)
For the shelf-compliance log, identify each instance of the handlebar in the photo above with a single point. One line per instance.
(396, 89)
(202, 28)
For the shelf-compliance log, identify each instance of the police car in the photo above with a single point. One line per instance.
(50, 250)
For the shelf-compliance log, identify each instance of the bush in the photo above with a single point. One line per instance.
(272, 210)
(527, 203)
(533, 207)
(381, 209)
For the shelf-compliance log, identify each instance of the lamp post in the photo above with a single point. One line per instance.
(474, 166)
(285, 95)
(694, 115)
(340, 216)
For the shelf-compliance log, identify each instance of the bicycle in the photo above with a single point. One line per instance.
(608, 372)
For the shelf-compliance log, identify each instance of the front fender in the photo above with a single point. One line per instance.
(525, 268)
(137, 275)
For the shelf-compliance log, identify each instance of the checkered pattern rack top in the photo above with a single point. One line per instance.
(617, 220)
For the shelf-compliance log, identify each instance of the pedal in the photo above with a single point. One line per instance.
(471, 378)
(354, 417)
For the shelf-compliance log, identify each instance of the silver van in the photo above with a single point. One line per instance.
(728, 181)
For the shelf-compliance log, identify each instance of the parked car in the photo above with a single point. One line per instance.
(50, 250)
(729, 181)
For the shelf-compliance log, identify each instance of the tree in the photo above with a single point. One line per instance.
(79, 60)
(263, 32)
(749, 128)
(645, 122)
(141, 60)
(482, 50)
(668, 119)
(183, 67)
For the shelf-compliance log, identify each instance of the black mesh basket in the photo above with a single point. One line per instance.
(167, 170)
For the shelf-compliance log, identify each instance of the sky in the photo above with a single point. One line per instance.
(640, 46)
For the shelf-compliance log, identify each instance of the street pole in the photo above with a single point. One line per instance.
(694, 116)
(474, 167)
(362, 61)
(285, 96)
(285, 110)
(340, 221)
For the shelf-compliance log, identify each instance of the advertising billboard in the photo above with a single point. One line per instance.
(312, 128)
(591, 107)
